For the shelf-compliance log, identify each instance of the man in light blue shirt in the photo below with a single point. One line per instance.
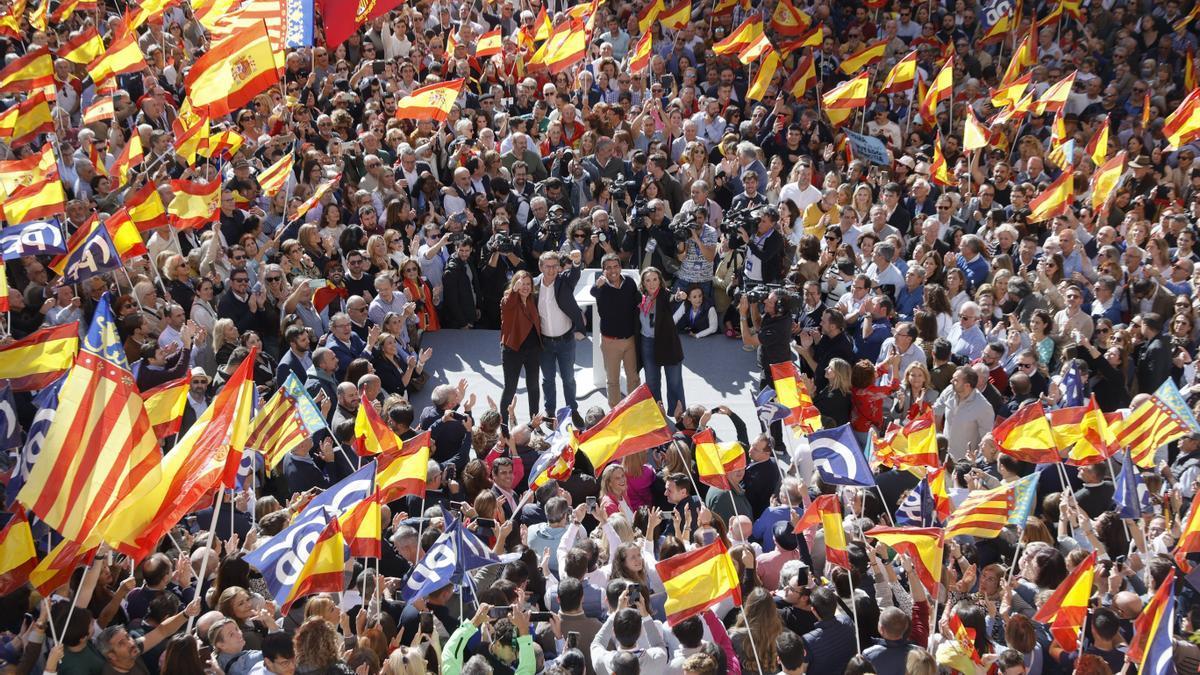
(966, 338)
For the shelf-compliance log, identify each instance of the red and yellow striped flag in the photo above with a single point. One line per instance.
(275, 177)
(715, 461)
(1097, 147)
(404, 471)
(233, 71)
(1026, 436)
(941, 89)
(22, 123)
(1182, 126)
(788, 20)
(1054, 200)
(371, 434)
(849, 94)
(324, 571)
(1086, 429)
(1054, 99)
(825, 512)
(939, 173)
(131, 157)
(1189, 538)
(195, 204)
(36, 201)
(649, 14)
(431, 102)
(34, 70)
(36, 360)
(165, 405)
(362, 526)
(1105, 180)
(923, 546)
(982, 514)
(123, 56)
(101, 110)
(741, 36)
(902, 75)
(697, 580)
(145, 207)
(322, 190)
(489, 44)
(677, 16)
(571, 50)
(864, 57)
(277, 428)
(18, 557)
(803, 78)
(1067, 607)
(793, 395)
(765, 74)
(813, 37)
(635, 424)
(975, 135)
(83, 48)
(639, 58)
(55, 570)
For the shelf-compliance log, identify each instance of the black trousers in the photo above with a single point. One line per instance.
(512, 361)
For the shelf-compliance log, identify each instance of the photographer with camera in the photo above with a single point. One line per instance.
(764, 250)
(773, 337)
(502, 259)
(698, 249)
(602, 241)
(548, 231)
(649, 242)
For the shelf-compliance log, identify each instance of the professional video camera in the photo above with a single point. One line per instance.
(683, 225)
(790, 301)
(504, 243)
(736, 219)
(556, 221)
(641, 209)
(622, 187)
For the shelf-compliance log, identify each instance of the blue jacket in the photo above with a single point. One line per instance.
(290, 363)
(346, 353)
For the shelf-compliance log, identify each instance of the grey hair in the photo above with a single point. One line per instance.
(442, 394)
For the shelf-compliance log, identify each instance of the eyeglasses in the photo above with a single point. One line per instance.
(271, 280)
(241, 280)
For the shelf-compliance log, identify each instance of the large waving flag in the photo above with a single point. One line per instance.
(1152, 648)
(92, 457)
(284, 422)
(206, 457)
(122, 57)
(1162, 418)
(84, 48)
(635, 424)
(1067, 607)
(825, 513)
(455, 553)
(849, 94)
(17, 554)
(40, 237)
(1026, 435)
(233, 71)
(868, 55)
(38, 359)
(792, 394)
(431, 102)
(44, 198)
(324, 571)
(1087, 431)
(1055, 199)
(46, 403)
(405, 472)
(697, 580)
(195, 204)
(741, 37)
(838, 458)
(34, 70)
(715, 461)
(983, 514)
(23, 122)
(922, 544)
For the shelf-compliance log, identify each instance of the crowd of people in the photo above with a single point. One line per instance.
(704, 208)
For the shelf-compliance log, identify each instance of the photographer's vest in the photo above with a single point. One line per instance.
(754, 265)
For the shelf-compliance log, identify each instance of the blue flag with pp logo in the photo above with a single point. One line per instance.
(281, 558)
(40, 237)
(46, 403)
(455, 553)
(838, 458)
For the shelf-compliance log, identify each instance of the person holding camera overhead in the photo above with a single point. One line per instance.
(460, 284)
(658, 340)
(520, 341)
(764, 250)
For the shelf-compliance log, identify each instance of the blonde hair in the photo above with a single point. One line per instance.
(317, 644)
(840, 379)
(218, 334)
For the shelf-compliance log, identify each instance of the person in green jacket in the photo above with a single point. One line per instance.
(456, 645)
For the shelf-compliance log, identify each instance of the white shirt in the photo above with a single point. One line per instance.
(555, 322)
(803, 198)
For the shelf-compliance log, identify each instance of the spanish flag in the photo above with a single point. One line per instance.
(975, 135)
(635, 424)
(983, 514)
(1105, 181)
(101, 110)
(362, 526)
(741, 37)
(68, 8)
(544, 29)
(233, 71)
(697, 580)
(1097, 147)
(18, 557)
(275, 177)
(940, 90)
(124, 234)
(825, 513)
(849, 94)
(83, 48)
(165, 405)
(371, 434)
(813, 37)
(939, 173)
(489, 44)
(1066, 609)
(803, 78)
(1087, 428)
(571, 50)
(715, 461)
(788, 20)
(755, 50)
(923, 546)
(1001, 27)
(325, 568)
(1054, 200)
(22, 123)
(131, 156)
(404, 472)
(864, 57)
(902, 75)
(1024, 55)
(145, 207)
(36, 201)
(1008, 94)
(1182, 126)
(34, 70)
(764, 76)
(639, 58)
(649, 14)
(677, 16)
(191, 136)
(4, 302)
(195, 204)
(55, 570)
(1054, 99)
(207, 457)
(225, 143)
(1190, 79)
(16, 173)
(916, 444)
(431, 102)
(36, 360)
(1027, 436)
(1153, 630)
(123, 56)
(1189, 539)
(317, 195)
(793, 395)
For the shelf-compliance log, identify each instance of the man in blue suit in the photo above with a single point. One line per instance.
(562, 324)
(296, 359)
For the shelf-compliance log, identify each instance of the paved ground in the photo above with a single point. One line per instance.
(715, 371)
